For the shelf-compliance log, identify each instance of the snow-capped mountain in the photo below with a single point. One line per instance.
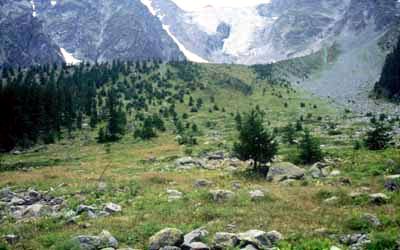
(274, 31)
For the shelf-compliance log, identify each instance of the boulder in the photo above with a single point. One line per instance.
(195, 246)
(257, 238)
(195, 235)
(84, 208)
(222, 195)
(355, 241)
(256, 195)
(166, 237)
(174, 195)
(34, 210)
(249, 247)
(378, 198)
(170, 248)
(11, 239)
(392, 183)
(112, 208)
(223, 240)
(274, 237)
(283, 171)
(108, 240)
(202, 183)
(103, 240)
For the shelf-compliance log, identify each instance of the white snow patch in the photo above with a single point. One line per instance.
(34, 14)
(148, 3)
(53, 2)
(189, 55)
(69, 58)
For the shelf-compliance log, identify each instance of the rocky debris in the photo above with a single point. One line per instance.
(112, 208)
(221, 195)
(174, 195)
(259, 239)
(257, 195)
(224, 240)
(29, 204)
(378, 198)
(11, 239)
(319, 170)
(371, 219)
(185, 163)
(165, 238)
(355, 241)
(92, 211)
(202, 183)
(249, 247)
(283, 171)
(195, 236)
(103, 240)
(392, 183)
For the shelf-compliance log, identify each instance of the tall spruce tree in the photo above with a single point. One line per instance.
(255, 141)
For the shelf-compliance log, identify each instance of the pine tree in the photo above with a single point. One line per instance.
(289, 134)
(379, 136)
(310, 149)
(255, 141)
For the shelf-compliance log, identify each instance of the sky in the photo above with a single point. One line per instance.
(195, 4)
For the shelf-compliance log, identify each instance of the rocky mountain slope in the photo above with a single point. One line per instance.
(23, 40)
(44, 31)
(279, 30)
(106, 30)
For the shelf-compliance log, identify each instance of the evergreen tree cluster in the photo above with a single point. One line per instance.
(389, 83)
(43, 103)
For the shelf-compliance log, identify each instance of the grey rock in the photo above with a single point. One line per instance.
(249, 247)
(371, 219)
(174, 195)
(166, 237)
(202, 183)
(112, 208)
(195, 246)
(195, 235)
(257, 195)
(355, 241)
(85, 208)
(35, 210)
(108, 240)
(222, 195)
(257, 238)
(283, 171)
(11, 239)
(274, 237)
(223, 240)
(379, 198)
(392, 183)
(170, 248)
